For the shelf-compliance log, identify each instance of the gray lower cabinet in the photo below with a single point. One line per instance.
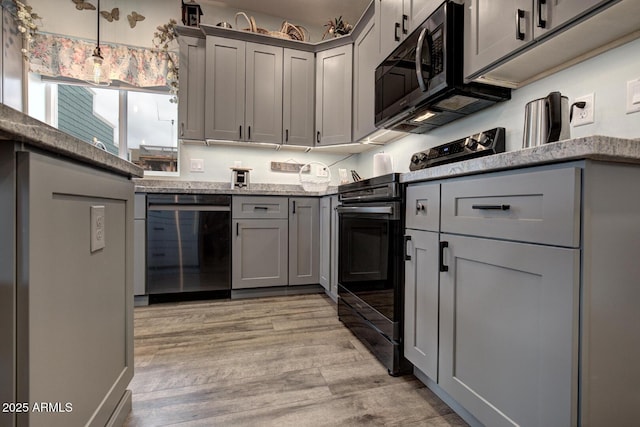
(304, 240)
(421, 302)
(298, 97)
(260, 251)
(192, 79)
(335, 248)
(509, 331)
(334, 83)
(325, 243)
(139, 245)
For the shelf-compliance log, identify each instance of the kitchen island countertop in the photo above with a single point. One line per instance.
(148, 185)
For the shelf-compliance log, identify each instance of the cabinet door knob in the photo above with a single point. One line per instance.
(286, 135)
(182, 129)
(407, 256)
(443, 268)
(318, 137)
(405, 19)
(396, 35)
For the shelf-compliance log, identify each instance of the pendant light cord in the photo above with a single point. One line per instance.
(98, 21)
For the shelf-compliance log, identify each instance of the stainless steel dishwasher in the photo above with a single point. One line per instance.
(188, 244)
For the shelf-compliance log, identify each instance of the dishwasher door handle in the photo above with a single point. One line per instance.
(192, 208)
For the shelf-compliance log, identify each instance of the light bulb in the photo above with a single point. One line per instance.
(97, 69)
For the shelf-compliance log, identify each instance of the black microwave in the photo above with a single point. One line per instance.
(420, 86)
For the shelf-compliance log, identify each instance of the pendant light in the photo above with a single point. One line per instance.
(96, 69)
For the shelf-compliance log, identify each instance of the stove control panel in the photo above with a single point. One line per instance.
(481, 144)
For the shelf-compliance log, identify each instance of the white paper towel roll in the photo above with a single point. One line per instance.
(382, 164)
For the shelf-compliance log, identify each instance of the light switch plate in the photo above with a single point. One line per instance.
(97, 228)
(633, 96)
(197, 165)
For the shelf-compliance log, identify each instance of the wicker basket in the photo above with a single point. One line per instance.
(253, 27)
(313, 182)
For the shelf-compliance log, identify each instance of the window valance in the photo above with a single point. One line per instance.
(58, 56)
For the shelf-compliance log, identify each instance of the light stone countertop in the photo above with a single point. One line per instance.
(16, 126)
(596, 147)
(147, 185)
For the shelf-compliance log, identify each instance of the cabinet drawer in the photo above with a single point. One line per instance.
(423, 207)
(538, 207)
(260, 207)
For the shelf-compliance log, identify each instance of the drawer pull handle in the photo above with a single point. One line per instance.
(407, 257)
(491, 207)
(519, 18)
(260, 208)
(443, 268)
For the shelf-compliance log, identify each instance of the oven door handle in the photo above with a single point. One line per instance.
(366, 209)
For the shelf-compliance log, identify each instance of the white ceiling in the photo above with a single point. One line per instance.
(316, 12)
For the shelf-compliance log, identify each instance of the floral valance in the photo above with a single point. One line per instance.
(58, 56)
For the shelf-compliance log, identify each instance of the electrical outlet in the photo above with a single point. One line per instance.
(322, 172)
(97, 228)
(584, 116)
(633, 96)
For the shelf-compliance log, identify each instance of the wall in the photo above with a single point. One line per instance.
(218, 159)
(10, 62)
(605, 75)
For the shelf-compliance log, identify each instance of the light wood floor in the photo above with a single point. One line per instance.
(280, 361)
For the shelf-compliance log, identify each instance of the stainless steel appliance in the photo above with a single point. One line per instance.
(478, 145)
(420, 85)
(188, 244)
(546, 120)
(371, 266)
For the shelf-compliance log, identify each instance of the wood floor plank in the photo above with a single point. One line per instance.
(274, 361)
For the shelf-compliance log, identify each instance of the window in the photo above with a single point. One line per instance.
(138, 126)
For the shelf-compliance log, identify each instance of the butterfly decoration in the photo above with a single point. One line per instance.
(83, 5)
(134, 18)
(114, 15)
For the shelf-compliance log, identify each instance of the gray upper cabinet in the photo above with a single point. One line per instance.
(304, 240)
(191, 95)
(243, 91)
(397, 18)
(298, 97)
(225, 88)
(263, 114)
(513, 43)
(494, 29)
(334, 83)
(366, 54)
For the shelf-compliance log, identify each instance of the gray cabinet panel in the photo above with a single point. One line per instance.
(423, 207)
(335, 247)
(421, 301)
(225, 88)
(139, 257)
(419, 10)
(389, 22)
(260, 207)
(492, 29)
(304, 240)
(298, 97)
(509, 331)
(263, 114)
(191, 104)
(325, 242)
(366, 56)
(556, 13)
(334, 82)
(259, 253)
(540, 207)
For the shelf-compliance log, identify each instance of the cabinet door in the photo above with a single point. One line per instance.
(298, 97)
(509, 331)
(260, 250)
(334, 82)
(325, 242)
(263, 114)
(491, 31)
(419, 10)
(421, 301)
(225, 88)
(388, 15)
(551, 14)
(366, 55)
(191, 93)
(335, 247)
(304, 244)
